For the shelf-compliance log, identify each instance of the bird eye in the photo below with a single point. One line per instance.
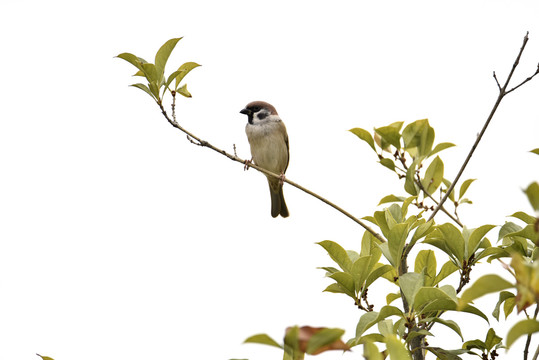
(256, 108)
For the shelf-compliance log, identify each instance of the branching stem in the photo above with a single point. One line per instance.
(197, 141)
(502, 92)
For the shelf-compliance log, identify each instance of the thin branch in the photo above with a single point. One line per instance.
(422, 188)
(197, 141)
(502, 93)
(529, 337)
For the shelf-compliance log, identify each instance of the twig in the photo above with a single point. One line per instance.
(529, 337)
(502, 93)
(197, 141)
(455, 219)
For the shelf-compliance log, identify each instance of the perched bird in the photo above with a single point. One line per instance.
(269, 148)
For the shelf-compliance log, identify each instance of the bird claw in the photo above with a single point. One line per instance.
(247, 163)
(281, 179)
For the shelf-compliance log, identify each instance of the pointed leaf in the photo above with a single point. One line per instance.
(132, 59)
(464, 187)
(524, 327)
(528, 219)
(484, 285)
(418, 138)
(426, 295)
(262, 339)
(475, 238)
(396, 349)
(388, 163)
(371, 352)
(364, 135)
(163, 53)
(447, 269)
(433, 176)
(389, 134)
(391, 198)
(440, 147)
(410, 283)
(184, 70)
(535, 151)
(325, 339)
(425, 262)
(144, 88)
(533, 195)
(337, 254)
(183, 91)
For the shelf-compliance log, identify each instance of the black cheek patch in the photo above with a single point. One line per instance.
(262, 115)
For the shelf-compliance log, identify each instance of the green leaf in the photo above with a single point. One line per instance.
(145, 89)
(475, 239)
(371, 352)
(45, 357)
(409, 184)
(392, 297)
(367, 320)
(484, 285)
(410, 283)
(464, 187)
(322, 338)
(492, 339)
(426, 295)
(163, 54)
(183, 70)
(346, 282)
(291, 344)
(360, 270)
(263, 339)
(390, 134)
(447, 184)
(449, 323)
(391, 198)
(532, 192)
(422, 231)
(377, 272)
(396, 240)
(448, 239)
(440, 147)
(425, 262)
(524, 327)
(364, 135)
(528, 219)
(535, 151)
(152, 73)
(183, 91)
(418, 138)
(388, 163)
(335, 288)
(396, 349)
(132, 59)
(337, 254)
(447, 269)
(433, 176)
(443, 354)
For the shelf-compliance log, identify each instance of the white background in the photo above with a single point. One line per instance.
(121, 240)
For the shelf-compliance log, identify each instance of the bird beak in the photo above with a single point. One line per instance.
(246, 112)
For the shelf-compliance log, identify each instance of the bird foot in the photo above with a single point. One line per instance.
(247, 163)
(281, 179)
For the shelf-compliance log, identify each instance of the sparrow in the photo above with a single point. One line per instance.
(268, 140)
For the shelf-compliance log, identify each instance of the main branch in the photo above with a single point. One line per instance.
(198, 141)
(502, 92)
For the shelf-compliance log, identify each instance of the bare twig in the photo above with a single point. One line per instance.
(197, 141)
(502, 93)
(529, 337)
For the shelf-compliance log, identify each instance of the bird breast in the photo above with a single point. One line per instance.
(268, 145)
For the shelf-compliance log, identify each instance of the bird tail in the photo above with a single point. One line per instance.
(278, 205)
